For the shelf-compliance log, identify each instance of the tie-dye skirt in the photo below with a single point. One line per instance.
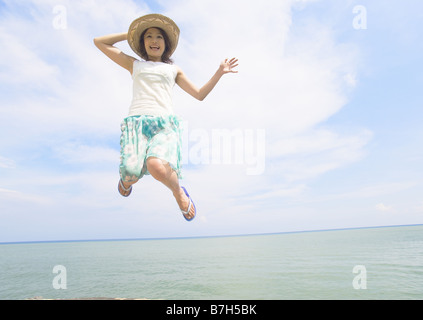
(149, 136)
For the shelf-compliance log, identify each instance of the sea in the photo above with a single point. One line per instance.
(380, 263)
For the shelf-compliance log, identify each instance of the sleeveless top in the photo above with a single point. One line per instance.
(153, 84)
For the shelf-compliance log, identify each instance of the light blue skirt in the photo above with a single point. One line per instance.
(149, 136)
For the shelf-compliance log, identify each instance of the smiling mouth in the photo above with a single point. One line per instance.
(154, 48)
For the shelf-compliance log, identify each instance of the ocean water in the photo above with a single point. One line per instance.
(373, 263)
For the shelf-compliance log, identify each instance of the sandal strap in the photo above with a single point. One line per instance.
(189, 208)
(123, 187)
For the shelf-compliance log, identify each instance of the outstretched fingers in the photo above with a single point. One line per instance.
(233, 63)
(230, 65)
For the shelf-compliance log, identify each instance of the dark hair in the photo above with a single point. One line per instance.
(166, 54)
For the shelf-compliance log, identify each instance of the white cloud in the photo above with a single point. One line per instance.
(384, 208)
(13, 196)
(289, 83)
(372, 191)
(6, 163)
(77, 153)
(21, 66)
(286, 85)
(7, 191)
(67, 82)
(316, 152)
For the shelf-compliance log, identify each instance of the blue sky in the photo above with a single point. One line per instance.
(322, 121)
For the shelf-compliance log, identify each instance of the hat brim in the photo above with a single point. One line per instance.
(143, 23)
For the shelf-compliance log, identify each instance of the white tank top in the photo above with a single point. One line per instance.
(153, 84)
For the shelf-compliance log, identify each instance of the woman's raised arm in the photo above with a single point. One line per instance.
(106, 45)
(227, 66)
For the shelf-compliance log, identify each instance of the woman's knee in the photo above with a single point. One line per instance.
(157, 169)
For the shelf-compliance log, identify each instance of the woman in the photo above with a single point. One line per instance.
(151, 134)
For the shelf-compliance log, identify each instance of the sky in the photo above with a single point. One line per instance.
(320, 129)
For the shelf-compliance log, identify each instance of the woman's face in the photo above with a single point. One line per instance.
(154, 44)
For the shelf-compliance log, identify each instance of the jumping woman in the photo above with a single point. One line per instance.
(151, 139)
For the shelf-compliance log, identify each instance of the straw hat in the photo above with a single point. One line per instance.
(143, 23)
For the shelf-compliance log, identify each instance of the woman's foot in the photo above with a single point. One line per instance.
(185, 204)
(124, 189)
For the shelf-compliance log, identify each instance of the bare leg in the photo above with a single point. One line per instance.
(165, 174)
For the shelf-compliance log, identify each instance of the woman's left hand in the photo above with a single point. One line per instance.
(227, 66)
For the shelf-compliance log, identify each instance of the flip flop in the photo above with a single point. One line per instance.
(124, 189)
(191, 203)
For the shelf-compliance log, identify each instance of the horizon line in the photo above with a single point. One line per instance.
(209, 236)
